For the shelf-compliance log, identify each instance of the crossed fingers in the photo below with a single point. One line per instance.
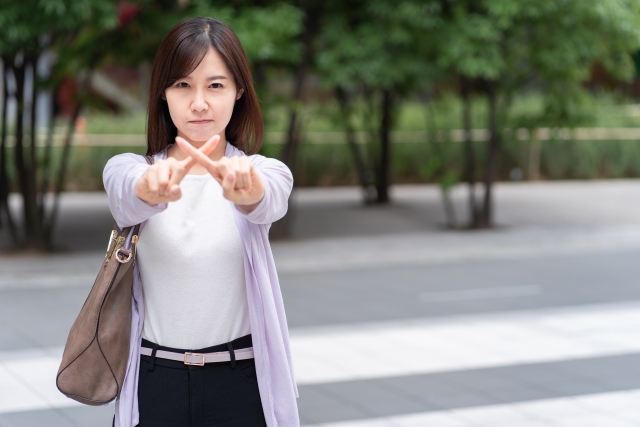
(163, 178)
(183, 166)
(232, 173)
(238, 178)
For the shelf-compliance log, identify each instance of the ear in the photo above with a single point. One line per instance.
(163, 96)
(240, 92)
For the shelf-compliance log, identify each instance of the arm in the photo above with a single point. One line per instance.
(278, 183)
(120, 176)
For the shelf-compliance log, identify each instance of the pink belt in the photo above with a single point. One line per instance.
(199, 359)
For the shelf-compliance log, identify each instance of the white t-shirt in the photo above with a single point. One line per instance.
(192, 269)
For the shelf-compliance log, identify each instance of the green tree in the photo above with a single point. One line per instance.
(376, 53)
(496, 47)
(31, 28)
(81, 35)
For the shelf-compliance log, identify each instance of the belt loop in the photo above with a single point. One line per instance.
(153, 357)
(232, 354)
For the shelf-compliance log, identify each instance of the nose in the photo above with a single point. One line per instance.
(199, 104)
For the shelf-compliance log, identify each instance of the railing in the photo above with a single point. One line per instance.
(478, 135)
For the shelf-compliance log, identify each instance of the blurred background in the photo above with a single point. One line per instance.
(461, 246)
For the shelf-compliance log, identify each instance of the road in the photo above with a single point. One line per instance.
(394, 320)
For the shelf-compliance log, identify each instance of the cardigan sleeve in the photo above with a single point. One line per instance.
(120, 176)
(278, 183)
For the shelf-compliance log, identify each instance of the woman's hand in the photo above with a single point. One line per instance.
(161, 182)
(240, 181)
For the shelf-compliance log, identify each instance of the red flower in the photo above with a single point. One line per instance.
(126, 12)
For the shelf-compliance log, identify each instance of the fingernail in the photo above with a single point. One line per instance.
(229, 178)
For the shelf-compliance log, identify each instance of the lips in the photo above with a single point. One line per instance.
(200, 122)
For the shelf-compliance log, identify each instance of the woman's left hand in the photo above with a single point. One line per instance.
(239, 179)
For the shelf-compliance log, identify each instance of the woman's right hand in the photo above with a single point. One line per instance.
(161, 182)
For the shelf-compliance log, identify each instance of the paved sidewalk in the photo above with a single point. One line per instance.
(394, 320)
(85, 220)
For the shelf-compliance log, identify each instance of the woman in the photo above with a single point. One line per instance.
(209, 338)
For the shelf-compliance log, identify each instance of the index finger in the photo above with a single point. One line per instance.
(200, 157)
(207, 148)
(182, 166)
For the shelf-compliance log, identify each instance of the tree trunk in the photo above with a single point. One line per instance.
(486, 219)
(66, 154)
(294, 129)
(31, 63)
(282, 227)
(5, 185)
(32, 230)
(469, 153)
(47, 166)
(364, 175)
(384, 171)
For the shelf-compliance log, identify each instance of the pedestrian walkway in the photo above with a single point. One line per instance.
(396, 322)
(432, 368)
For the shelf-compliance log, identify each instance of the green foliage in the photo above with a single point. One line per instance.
(414, 47)
(267, 33)
(135, 41)
(25, 22)
(553, 44)
(377, 44)
(469, 42)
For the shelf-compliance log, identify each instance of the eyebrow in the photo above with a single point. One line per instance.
(208, 78)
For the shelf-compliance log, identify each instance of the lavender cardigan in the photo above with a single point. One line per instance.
(274, 369)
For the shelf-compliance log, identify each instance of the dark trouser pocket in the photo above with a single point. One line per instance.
(247, 368)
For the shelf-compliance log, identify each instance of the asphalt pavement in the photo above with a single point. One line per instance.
(395, 320)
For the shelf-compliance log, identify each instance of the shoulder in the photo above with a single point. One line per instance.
(126, 158)
(132, 158)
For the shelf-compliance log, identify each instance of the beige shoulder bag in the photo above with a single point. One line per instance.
(96, 354)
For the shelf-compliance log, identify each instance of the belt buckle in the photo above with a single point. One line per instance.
(194, 363)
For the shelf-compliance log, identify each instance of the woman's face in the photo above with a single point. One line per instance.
(201, 104)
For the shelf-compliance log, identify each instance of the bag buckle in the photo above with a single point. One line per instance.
(194, 363)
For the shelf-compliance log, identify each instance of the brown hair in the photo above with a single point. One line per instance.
(179, 54)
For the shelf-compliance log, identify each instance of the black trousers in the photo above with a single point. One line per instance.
(223, 394)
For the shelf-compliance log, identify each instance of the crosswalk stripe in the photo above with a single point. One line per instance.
(387, 349)
(384, 349)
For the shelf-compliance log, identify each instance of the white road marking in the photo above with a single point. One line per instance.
(29, 383)
(385, 349)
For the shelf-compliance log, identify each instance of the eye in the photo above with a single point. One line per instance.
(216, 85)
(182, 84)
